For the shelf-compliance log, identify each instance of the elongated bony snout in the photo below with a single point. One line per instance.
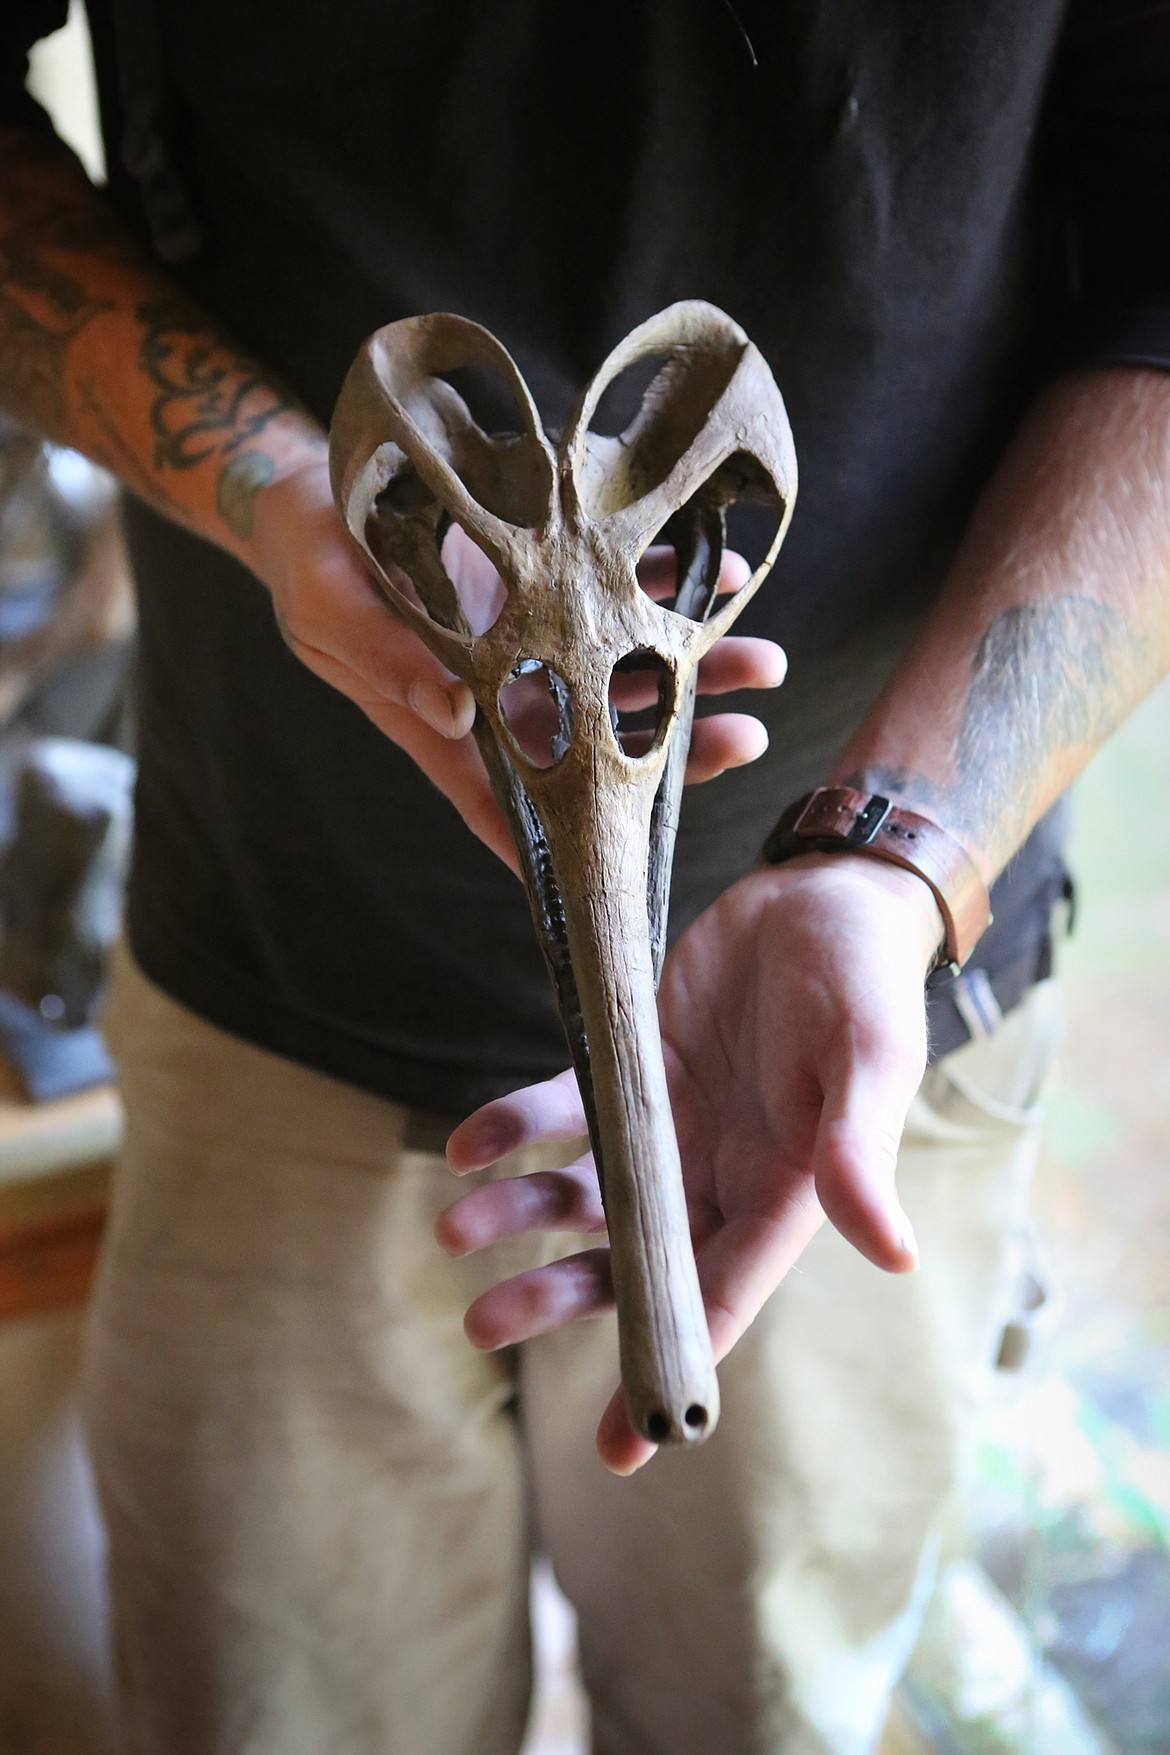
(592, 801)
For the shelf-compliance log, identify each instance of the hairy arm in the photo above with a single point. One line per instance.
(1054, 624)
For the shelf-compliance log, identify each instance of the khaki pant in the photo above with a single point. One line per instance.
(321, 1501)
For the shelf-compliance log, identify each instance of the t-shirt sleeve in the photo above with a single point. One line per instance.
(1113, 105)
(23, 23)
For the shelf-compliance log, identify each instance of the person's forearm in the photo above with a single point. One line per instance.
(98, 350)
(1054, 624)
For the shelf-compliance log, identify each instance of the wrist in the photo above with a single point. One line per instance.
(293, 494)
(843, 821)
(915, 898)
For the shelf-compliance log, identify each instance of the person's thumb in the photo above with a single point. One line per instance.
(873, 1080)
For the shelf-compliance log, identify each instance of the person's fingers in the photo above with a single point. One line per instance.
(335, 612)
(739, 1265)
(722, 741)
(731, 1306)
(745, 1260)
(856, 1150)
(453, 765)
(734, 573)
(540, 1300)
(548, 1111)
(546, 1200)
(532, 716)
(478, 585)
(633, 691)
(621, 1449)
(658, 572)
(740, 661)
(457, 769)
(337, 622)
(328, 606)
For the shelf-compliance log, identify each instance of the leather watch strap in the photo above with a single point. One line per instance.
(841, 819)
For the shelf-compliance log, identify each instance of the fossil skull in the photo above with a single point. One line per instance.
(594, 815)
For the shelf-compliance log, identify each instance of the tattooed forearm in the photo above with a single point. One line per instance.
(109, 448)
(42, 309)
(240, 480)
(1046, 677)
(906, 784)
(46, 240)
(208, 400)
(100, 351)
(209, 403)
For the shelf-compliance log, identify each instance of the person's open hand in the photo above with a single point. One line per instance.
(335, 621)
(794, 1033)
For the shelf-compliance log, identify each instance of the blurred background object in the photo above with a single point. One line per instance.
(66, 633)
(61, 78)
(62, 883)
(1050, 1635)
(66, 601)
(66, 639)
(62, 875)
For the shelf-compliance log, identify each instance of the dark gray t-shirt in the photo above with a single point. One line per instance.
(872, 192)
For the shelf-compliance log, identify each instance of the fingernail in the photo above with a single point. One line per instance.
(440, 709)
(761, 743)
(449, 1245)
(907, 1238)
(481, 1343)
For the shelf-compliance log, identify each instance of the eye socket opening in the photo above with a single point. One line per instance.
(641, 696)
(536, 705)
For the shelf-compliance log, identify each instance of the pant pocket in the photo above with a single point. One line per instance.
(994, 1085)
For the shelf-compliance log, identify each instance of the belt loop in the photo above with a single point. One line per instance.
(975, 1002)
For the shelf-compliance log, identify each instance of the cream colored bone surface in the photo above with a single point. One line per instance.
(565, 526)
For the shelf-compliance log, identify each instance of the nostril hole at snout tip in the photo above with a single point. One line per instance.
(660, 1427)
